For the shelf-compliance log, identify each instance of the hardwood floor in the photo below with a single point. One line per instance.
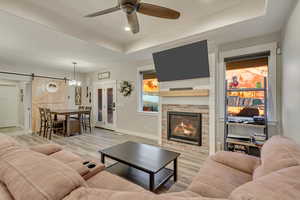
(87, 145)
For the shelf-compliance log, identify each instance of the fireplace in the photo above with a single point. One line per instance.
(185, 127)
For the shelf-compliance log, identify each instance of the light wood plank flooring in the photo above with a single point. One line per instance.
(87, 145)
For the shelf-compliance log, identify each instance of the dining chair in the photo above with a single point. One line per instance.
(81, 117)
(53, 126)
(76, 116)
(43, 121)
(87, 118)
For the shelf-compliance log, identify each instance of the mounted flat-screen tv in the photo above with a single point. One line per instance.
(186, 62)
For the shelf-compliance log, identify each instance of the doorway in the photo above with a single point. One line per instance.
(9, 105)
(28, 107)
(15, 106)
(105, 97)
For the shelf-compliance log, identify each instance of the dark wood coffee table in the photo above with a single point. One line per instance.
(142, 164)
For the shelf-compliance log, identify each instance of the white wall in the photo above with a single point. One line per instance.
(24, 116)
(10, 104)
(291, 76)
(129, 120)
(40, 71)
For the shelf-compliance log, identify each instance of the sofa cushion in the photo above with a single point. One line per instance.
(98, 194)
(47, 149)
(242, 162)
(6, 141)
(283, 184)
(66, 156)
(186, 194)
(216, 180)
(4, 193)
(31, 175)
(278, 153)
(108, 181)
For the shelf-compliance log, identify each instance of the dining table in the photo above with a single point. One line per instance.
(72, 124)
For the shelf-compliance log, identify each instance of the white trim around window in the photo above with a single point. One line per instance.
(139, 89)
(272, 82)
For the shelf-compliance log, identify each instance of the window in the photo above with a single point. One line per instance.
(149, 97)
(247, 74)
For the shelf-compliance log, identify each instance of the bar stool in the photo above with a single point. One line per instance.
(53, 126)
(81, 119)
(43, 121)
(87, 118)
(76, 116)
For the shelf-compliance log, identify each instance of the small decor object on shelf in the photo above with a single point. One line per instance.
(258, 85)
(77, 96)
(234, 83)
(126, 88)
(248, 112)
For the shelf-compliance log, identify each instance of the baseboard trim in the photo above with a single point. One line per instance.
(21, 126)
(29, 131)
(127, 132)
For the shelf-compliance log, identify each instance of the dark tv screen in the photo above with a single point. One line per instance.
(186, 62)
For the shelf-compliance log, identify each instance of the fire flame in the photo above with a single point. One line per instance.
(186, 129)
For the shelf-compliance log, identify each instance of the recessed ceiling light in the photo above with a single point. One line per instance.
(127, 28)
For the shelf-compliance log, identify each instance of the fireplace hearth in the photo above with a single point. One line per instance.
(185, 127)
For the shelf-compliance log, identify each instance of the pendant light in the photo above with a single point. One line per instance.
(74, 82)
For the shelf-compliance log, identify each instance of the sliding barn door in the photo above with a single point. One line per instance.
(47, 93)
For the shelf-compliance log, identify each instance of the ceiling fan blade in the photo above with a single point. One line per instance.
(133, 22)
(103, 12)
(157, 11)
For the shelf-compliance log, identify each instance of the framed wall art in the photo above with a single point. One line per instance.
(104, 75)
(78, 94)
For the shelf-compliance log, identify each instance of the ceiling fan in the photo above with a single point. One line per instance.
(131, 7)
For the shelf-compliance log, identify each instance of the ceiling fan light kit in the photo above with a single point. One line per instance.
(132, 7)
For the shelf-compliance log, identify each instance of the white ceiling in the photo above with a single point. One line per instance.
(55, 33)
(67, 16)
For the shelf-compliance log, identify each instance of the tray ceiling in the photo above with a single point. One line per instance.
(67, 16)
(55, 33)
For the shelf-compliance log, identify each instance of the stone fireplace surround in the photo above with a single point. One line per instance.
(203, 109)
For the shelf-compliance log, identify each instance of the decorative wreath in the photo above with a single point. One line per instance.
(126, 88)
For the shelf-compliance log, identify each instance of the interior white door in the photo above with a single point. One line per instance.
(27, 106)
(8, 106)
(105, 105)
